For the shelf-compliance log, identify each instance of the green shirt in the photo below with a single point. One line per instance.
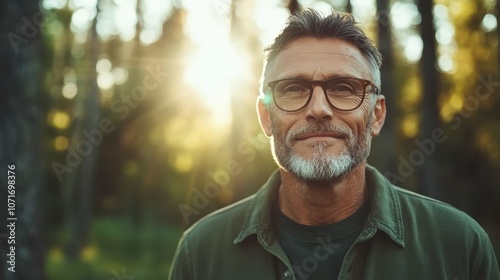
(406, 236)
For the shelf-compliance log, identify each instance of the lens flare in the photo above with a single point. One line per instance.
(216, 62)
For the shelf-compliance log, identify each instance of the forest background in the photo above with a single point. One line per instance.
(125, 121)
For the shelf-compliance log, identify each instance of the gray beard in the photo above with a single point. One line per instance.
(322, 167)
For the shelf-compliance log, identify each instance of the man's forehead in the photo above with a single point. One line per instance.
(306, 55)
(311, 45)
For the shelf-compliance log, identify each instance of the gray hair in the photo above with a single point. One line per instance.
(311, 23)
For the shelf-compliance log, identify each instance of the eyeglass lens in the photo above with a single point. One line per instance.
(343, 94)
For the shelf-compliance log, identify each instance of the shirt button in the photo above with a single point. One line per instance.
(266, 238)
(371, 231)
(287, 275)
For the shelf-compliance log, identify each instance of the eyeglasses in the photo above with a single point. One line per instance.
(344, 94)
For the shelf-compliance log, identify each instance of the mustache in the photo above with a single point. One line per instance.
(322, 127)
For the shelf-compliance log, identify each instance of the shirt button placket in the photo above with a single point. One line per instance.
(287, 275)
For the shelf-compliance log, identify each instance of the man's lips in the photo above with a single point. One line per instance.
(319, 135)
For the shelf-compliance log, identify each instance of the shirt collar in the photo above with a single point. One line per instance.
(258, 216)
(385, 212)
(385, 209)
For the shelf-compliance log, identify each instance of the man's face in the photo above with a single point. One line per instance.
(320, 143)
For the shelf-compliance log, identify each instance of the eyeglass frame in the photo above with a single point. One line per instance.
(322, 84)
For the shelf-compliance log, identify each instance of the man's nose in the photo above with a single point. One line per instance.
(319, 108)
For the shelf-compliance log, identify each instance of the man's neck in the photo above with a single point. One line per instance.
(315, 203)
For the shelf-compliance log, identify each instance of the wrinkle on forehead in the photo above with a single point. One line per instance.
(319, 59)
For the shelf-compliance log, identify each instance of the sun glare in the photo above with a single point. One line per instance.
(215, 63)
(209, 72)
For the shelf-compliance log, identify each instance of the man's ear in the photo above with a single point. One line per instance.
(379, 113)
(264, 117)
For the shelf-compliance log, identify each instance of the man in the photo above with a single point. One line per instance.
(326, 214)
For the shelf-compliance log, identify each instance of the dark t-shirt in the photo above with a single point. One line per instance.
(317, 252)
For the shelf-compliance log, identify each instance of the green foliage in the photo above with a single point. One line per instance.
(117, 247)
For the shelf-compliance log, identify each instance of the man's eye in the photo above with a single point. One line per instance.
(294, 89)
(342, 88)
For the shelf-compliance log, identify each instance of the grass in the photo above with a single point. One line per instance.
(118, 250)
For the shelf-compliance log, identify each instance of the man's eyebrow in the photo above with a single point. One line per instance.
(342, 75)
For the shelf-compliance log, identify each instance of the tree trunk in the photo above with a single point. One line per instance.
(89, 114)
(384, 153)
(498, 38)
(429, 106)
(22, 121)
